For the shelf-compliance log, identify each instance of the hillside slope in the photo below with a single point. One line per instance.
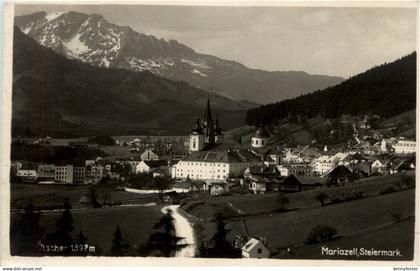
(385, 90)
(92, 39)
(55, 95)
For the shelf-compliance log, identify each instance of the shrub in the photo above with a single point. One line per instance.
(283, 201)
(322, 196)
(387, 190)
(358, 194)
(320, 233)
(335, 199)
(408, 181)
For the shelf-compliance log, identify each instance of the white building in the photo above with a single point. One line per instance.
(46, 171)
(150, 166)
(215, 165)
(64, 174)
(326, 163)
(255, 249)
(27, 174)
(322, 164)
(405, 146)
(79, 174)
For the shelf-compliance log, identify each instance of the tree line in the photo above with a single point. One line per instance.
(385, 90)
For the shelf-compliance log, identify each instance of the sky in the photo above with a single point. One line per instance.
(337, 41)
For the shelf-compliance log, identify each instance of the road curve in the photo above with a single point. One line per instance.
(183, 228)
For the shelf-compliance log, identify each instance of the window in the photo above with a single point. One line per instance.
(259, 251)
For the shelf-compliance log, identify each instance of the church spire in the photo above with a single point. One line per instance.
(207, 112)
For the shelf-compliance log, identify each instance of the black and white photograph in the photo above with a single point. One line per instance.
(212, 132)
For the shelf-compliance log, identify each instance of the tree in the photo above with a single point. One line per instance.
(104, 140)
(322, 196)
(283, 201)
(62, 236)
(320, 233)
(119, 245)
(162, 183)
(166, 242)
(221, 247)
(81, 243)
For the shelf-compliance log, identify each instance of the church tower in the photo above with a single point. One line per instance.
(261, 137)
(196, 139)
(206, 133)
(208, 124)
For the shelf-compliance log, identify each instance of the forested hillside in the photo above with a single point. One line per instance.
(385, 90)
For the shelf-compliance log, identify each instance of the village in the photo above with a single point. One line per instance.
(204, 164)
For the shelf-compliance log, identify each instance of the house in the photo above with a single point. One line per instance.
(255, 249)
(261, 185)
(148, 155)
(79, 173)
(290, 184)
(27, 174)
(262, 171)
(405, 147)
(403, 165)
(310, 182)
(94, 173)
(150, 166)
(380, 166)
(46, 171)
(188, 186)
(300, 169)
(64, 173)
(293, 156)
(217, 189)
(133, 164)
(338, 176)
(322, 164)
(283, 170)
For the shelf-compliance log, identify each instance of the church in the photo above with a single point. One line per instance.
(212, 160)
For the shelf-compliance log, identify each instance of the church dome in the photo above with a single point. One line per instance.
(261, 133)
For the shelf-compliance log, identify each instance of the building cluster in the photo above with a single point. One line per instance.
(89, 171)
(258, 164)
(267, 168)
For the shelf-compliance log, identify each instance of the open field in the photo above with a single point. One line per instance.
(252, 204)
(292, 228)
(98, 225)
(46, 195)
(355, 220)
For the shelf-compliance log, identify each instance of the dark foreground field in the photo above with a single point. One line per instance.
(54, 194)
(98, 225)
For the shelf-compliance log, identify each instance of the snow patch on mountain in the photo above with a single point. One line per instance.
(75, 46)
(53, 15)
(198, 72)
(199, 65)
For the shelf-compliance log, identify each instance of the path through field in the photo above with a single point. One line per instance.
(183, 228)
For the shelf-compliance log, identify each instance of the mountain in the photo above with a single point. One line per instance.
(55, 96)
(385, 90)
(91, 39)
